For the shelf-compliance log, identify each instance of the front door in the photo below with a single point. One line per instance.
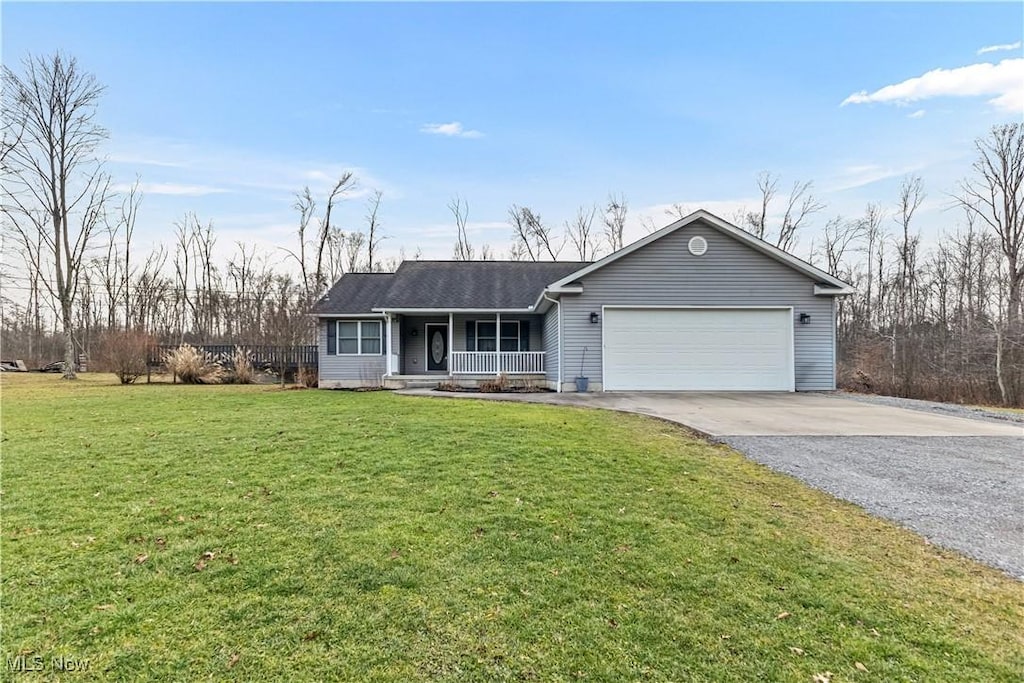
(437, 347)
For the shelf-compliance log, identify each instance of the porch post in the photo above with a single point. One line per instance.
(451, 341)
(497, 339)
(387, 335)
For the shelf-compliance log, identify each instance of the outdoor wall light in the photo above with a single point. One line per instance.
(594, 317)
(805, 318)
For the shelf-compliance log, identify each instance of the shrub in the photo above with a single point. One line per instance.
(494, 386)
(193, 366)
(124, 354)
(244, 372)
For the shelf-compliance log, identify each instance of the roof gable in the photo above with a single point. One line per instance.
(831, 284)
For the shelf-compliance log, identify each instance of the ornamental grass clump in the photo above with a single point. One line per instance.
(242, 362)
(193, 366)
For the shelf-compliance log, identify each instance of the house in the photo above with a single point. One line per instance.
(697, 305)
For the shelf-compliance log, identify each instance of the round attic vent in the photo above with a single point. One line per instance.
(697, 245)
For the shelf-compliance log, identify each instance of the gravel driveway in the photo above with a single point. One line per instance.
(964, 493)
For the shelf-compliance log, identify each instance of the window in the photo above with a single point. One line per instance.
(486, 338)
(370, 338)
(483, 335)
(355, 338)
(510, 336)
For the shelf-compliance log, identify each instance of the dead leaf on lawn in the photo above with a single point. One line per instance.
(139, 559)
(394, 554)
(234, 660)
(160, 541)
(622, 548)
(825, 677)
(782, 615)
(209, 555)
(104, 608)
(478, 532)
(613, 623)
(725, 637)
(232, 559)
(875, 632)
(796, 650)
(492, 494)
(860, 667)
(312, 635)
(199, 566)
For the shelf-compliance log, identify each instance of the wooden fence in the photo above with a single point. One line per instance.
(275, 358)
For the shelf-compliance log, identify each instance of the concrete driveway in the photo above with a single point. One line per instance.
(958, 480)
(724, 414)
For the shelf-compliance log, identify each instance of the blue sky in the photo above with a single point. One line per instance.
(229, 109)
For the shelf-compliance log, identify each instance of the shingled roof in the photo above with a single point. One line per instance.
(445, 285)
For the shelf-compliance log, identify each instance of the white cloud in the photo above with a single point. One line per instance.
(452, 130)
(999, 48)
(919, 114)
(1005, 80)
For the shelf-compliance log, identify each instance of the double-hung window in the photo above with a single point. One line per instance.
(355, 338)
(484, 335)
(510, 336)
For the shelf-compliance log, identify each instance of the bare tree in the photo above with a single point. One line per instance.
(757, 222)
(460, 212)
(54, 184)
(800, 205)
(319, 253)
(530, 236)
(838, 238)
(580, 232)
(614, 220)
(373, 236)
(353, 243)
(345, 184)
(522, 237)
(910, 198)
(996, 196)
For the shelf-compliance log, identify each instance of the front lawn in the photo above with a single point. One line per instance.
(187, 533)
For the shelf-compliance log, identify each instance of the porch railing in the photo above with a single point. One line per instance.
(497, 362)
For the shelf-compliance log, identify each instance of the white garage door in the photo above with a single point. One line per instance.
(698, 349)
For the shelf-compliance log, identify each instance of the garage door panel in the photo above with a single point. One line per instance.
(698, 349)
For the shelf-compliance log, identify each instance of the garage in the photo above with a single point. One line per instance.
(698, 349)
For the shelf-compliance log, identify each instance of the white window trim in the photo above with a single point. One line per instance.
(359, 337)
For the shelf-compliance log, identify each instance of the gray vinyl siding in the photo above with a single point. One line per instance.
(366, 370)
(550, 341)
(730, 273)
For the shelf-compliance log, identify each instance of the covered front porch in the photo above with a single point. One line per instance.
(463, 347)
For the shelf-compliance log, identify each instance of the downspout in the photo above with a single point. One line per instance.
(558, 334)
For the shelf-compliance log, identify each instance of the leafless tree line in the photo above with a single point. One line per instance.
(942, 322)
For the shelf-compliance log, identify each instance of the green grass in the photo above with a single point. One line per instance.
(368, 536)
